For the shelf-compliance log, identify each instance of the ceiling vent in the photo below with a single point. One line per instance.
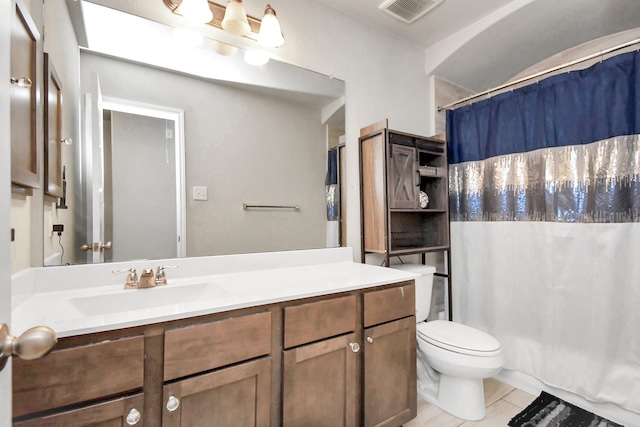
(408, 11)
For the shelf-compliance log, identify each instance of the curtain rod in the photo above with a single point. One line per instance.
(542, 73)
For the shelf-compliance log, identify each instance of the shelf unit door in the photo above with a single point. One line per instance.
(403, 178)
(373, 193)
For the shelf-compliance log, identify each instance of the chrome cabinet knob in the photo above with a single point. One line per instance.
(369, 340)
(33, 344)
(133, 417)
(355, 347)
(173, 403)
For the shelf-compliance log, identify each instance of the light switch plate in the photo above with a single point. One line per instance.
(199, 193)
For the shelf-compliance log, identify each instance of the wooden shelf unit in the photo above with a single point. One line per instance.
(394, 168)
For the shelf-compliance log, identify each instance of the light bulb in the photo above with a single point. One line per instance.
(196, 11)
(235, 19)
(270, 33)
(256, 57)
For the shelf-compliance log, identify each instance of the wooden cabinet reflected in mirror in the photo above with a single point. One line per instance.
(25, 50)
(52, 130)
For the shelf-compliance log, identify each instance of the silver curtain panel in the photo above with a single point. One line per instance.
(591, 183)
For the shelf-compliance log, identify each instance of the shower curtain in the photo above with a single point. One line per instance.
(545, 233)
(332, 188)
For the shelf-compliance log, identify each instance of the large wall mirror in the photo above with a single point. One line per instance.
(178, 143)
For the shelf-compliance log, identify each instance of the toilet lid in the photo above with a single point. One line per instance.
(458, 337)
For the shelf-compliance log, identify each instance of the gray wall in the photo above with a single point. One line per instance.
(243, 146)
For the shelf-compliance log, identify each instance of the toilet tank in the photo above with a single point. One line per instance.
(424, 286)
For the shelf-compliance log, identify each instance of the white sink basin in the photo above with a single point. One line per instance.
(141, 299)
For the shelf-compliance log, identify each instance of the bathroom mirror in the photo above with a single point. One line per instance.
(251, 136)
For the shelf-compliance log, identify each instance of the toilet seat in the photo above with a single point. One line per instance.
(458, 338)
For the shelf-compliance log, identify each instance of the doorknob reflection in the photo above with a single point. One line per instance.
(96, 246)
(33, 344)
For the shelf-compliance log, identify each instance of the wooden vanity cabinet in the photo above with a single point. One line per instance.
(320, 363)
(390, 394)
(297, 363)
(234, 396)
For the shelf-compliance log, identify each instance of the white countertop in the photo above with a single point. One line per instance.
(80, 310)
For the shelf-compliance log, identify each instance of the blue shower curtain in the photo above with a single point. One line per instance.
(545, 233)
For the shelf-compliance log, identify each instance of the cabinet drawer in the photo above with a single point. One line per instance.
(314, 321)
(389, 304)
(111, 413)
(78, 374)
(199, 348)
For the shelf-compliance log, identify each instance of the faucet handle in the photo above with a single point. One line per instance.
(161, 276)
(132, 277)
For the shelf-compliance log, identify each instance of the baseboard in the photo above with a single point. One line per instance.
(534, 386)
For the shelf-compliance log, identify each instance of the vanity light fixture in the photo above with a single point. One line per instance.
(196, 11)
(270, 33)
(235, 19)
(232, 18)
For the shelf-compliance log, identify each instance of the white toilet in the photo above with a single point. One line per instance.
(461, 355)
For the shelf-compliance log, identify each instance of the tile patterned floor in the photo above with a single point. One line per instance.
(503, 403)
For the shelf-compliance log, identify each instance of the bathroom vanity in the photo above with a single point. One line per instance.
(293, 338)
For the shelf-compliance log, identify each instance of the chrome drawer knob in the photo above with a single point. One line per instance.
(133, 417)
(173, 403)
(355, 347)
(369, 340)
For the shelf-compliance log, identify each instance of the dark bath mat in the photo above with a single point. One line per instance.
(550, 411)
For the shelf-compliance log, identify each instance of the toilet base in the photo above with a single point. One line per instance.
(461, 397)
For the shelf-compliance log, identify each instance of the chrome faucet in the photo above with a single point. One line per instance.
(132, 277)
(147, 278)
(161, 276)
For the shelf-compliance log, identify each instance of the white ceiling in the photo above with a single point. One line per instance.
(527, 32)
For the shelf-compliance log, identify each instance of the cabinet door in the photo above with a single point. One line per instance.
(390, 373)
(320, 384)
(24, 99)
(114, 413)
(403, 178)
(239, 396)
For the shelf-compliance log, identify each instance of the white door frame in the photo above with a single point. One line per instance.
(177, 116)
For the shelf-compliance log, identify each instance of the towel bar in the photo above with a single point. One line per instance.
(246, 206)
